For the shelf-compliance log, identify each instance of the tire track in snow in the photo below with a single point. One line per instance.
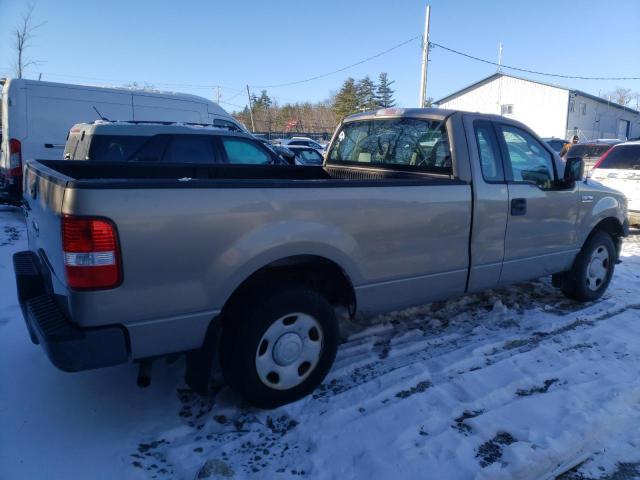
(408, 358)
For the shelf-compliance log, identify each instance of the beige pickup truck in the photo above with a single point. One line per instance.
(245, 265)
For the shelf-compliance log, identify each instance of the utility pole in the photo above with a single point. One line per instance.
(253, 126)
(218, 94)
(425, 59)
(500, 57)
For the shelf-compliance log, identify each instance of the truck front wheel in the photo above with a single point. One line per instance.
(279, 345)
(592, 270)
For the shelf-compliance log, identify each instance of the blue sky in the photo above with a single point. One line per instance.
(189, 46)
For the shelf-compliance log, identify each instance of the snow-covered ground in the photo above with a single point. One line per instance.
(513, 383)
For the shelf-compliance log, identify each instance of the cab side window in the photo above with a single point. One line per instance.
(489, 152)
(528, 160)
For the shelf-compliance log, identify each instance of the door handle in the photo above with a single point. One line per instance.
(518, 206)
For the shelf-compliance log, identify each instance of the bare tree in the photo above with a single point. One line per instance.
(622, 96)
(23, 35)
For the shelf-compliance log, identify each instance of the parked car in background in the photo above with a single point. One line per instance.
(555, 143)
(296, 154)
(285, 153)
(165, 142)
(303, 142)
(590, 152)
(306, 155)
(248, 263)
(36, 116)
(287, 156)
(619, 168)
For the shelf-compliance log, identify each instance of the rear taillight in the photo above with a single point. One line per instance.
(601, 159)
(15, 159)
(91, 253)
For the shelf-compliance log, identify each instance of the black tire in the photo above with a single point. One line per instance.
(242, 336)
(575, 282)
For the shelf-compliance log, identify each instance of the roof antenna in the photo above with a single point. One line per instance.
(100, 115)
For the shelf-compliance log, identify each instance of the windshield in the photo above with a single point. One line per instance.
(406, 143)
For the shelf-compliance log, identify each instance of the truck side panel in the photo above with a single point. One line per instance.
(183, 259)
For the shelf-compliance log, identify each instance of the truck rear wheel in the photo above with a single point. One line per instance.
(592, 270)
(279, 345)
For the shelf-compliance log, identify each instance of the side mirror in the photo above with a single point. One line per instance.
(573, 170)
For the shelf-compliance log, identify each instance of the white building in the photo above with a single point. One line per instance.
(551, 111)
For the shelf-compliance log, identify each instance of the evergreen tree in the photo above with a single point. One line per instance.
(261, 102)
(384, 94)
(366, 94)
(346, 100)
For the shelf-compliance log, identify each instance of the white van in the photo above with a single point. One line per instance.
(35, 118)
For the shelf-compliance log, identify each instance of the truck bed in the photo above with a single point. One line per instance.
(81, 174)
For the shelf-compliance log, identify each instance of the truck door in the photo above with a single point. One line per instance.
(541, 236)
(490, 200)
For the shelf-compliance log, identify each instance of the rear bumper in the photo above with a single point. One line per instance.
(69, 347)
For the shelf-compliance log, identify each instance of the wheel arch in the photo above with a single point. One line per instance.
(613, 227)
(321, 273)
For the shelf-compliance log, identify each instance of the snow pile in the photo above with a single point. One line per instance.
(511, 383)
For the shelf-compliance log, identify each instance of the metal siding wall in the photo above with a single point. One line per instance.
(541, 107)
(600, 121)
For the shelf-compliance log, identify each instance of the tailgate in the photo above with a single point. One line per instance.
(43, 193)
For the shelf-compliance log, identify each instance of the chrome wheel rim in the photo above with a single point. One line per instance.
(289, 351)
(597, 268)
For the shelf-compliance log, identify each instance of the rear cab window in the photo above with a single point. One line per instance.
(412, 144)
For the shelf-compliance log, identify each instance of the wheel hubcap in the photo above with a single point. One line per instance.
(597, 268)
(289, 351)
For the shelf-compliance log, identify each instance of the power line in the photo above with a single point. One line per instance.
(558, 75)
(240, 92)
(232, 104)
(379, 54)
